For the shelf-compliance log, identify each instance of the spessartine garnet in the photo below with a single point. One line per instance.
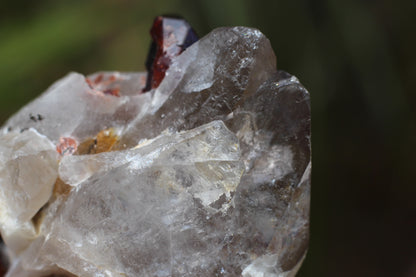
(171, 36)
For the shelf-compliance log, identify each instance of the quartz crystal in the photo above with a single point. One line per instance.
(206, 174)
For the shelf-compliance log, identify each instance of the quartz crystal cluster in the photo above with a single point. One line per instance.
(205, 174)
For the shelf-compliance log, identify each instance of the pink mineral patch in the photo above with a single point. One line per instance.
(103, 84)
(66, 146)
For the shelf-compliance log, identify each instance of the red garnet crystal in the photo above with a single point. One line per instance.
(171, 36)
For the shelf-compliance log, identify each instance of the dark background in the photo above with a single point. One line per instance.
(357, 59)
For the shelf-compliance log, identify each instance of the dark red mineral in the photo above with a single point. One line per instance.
(171, 36)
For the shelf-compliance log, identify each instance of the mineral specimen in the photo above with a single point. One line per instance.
(206, 174)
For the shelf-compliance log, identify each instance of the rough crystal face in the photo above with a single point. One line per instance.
(206, 175)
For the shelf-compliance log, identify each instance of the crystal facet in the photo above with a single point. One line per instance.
(207, 174)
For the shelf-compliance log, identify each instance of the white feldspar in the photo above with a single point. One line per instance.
(28, 171)
(207, 175)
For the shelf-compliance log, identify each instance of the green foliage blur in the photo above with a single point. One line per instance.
(357, 59)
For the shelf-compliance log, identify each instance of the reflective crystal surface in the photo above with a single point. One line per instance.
(206, 175)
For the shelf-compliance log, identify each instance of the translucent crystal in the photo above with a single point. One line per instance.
(206, 175)
(28, 171)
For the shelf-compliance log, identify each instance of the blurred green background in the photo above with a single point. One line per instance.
(357, 59)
